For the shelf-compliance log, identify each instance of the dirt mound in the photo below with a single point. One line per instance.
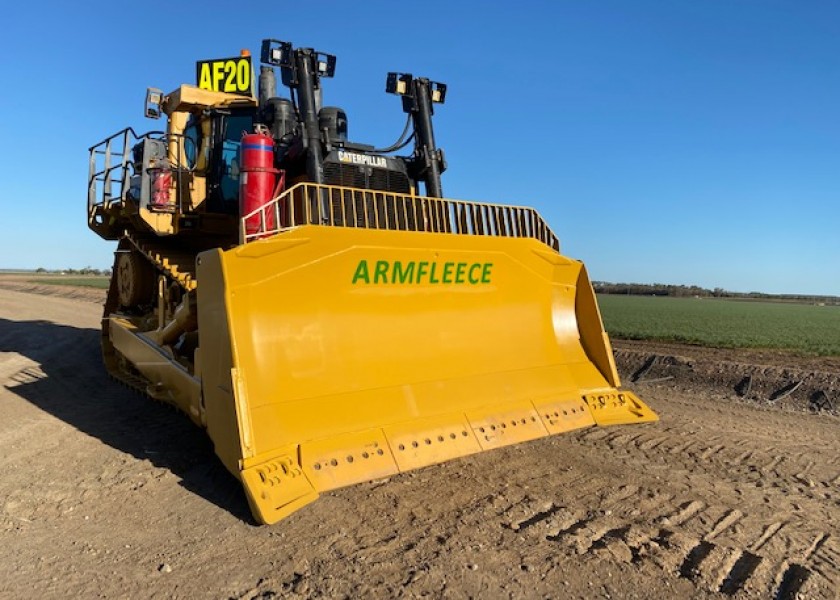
(20, 284)
(780, 379)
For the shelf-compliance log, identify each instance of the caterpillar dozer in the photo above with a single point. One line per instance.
(325, 320)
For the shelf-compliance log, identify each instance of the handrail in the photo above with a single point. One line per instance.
(103, 153)
(110, 168)
(113, 154)
(338, 206)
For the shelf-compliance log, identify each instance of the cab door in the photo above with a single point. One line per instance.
(223, 177)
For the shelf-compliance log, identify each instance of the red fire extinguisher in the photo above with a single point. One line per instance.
(256, 180)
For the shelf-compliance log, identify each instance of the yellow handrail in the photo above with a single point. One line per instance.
(338, 206)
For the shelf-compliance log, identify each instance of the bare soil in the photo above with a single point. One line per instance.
(735, 493)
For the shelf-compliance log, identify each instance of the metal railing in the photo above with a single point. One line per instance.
(111, 166)
(109, 172)
(336, 206)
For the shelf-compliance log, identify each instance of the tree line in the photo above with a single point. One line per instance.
(82, 271)
(695, 291)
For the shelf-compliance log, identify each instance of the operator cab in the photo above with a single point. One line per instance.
(221, 169)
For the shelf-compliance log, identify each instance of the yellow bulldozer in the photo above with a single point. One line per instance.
(296, 294)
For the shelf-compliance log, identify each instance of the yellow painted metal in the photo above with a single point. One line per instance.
(277, 487)
(613, 407)
(186, 98)
(324, 363)
(428, 441)
(169, 381)
(498, 426)
(561, 416)
(347, 459)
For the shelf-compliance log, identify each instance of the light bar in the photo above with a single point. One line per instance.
(398, 83)
(326, 64)
(154, 98)
(275, 52)
(438, 91)
(401, 85)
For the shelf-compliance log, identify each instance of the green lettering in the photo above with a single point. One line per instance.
(415, 272)
(432, 278)
(381, 272)
(447, 272)
(421, 270)
(362, 272)
(459, 272)
(398, 275)
(485, 273)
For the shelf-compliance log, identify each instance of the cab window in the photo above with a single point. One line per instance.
(235, 126)
(192, 142)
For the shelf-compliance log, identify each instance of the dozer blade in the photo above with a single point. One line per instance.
(332, 356)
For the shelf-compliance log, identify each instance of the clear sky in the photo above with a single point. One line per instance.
(684, 142)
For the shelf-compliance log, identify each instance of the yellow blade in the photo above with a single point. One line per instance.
(331, 356)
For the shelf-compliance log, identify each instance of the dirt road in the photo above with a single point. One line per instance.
(106, 494)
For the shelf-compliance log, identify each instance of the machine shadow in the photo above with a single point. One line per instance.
(72, 385)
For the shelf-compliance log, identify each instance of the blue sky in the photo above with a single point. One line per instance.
(684, 142)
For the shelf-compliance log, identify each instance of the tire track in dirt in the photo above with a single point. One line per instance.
(718, 546)
(683, 540)
(793, 470)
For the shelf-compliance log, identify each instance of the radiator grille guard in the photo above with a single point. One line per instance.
(369, 178)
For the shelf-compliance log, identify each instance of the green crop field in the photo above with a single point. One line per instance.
(94, 282)
(804, 328)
